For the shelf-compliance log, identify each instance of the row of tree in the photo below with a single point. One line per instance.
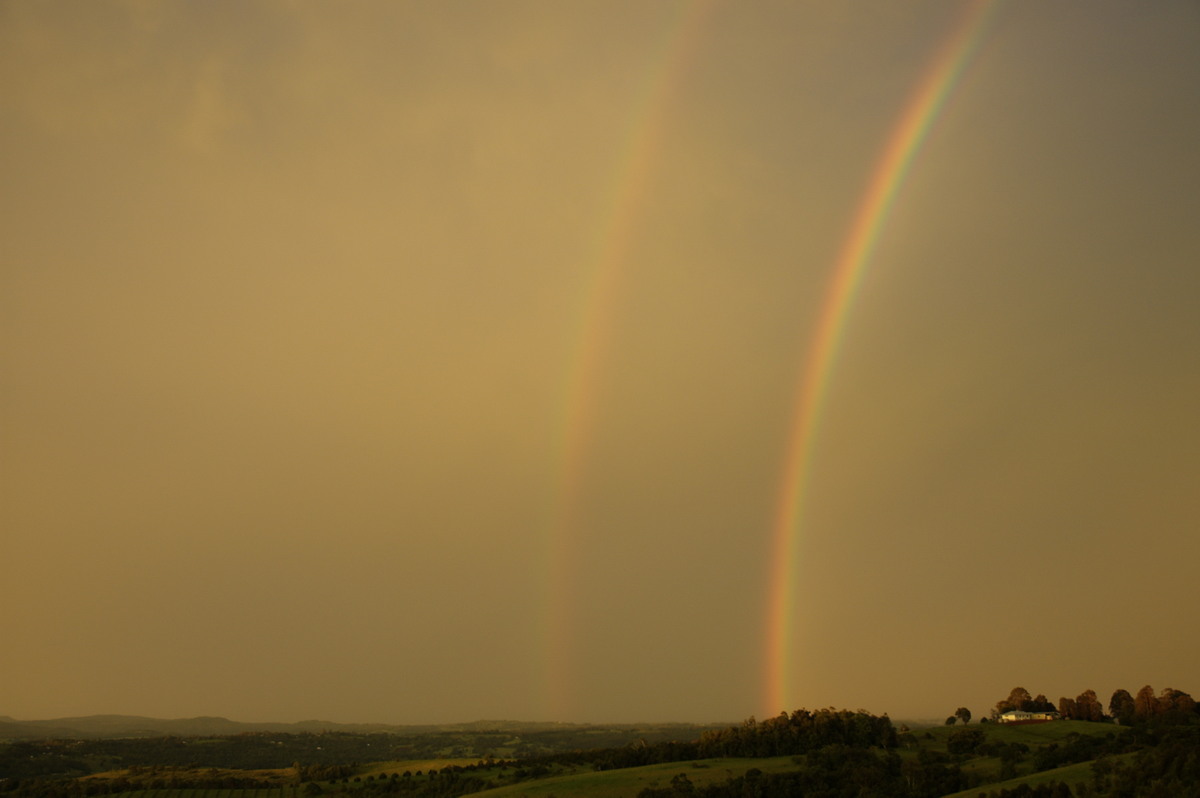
(784, 734)
(833, 771)
(799, 732)
(1126, 709)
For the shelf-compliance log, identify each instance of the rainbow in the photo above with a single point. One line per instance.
(622, 204)
(909, 132)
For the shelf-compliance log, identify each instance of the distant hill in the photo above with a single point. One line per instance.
(115, 726)
(11, 729)
(100, 726)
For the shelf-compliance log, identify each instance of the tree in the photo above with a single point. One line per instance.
(1120, 706)
(1067, 709)
(1087, 706)
(1176, 704)
(950, 720)
(1018, 698)
(682, 785)
(965, 741)
(963, 714)
(1010, 755)
(1145, 705)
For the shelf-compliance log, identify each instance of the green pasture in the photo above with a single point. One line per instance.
(1078, 773)
(622, 783)
(277, 792)
(424, 765)
(1032, 734)
(628, 782)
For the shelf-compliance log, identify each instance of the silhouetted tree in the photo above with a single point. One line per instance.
(965, 741)
(1087, 706)
(1120, 706)
(682, 785)
(963, 714)
(1145, 705)
(1175, 704)
(1018, 698)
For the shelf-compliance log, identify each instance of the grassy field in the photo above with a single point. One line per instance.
(1033, 734)
(1079, 773)
(628, 782)
(269, 780)
(399, 766)
(624, 783)
(278, 792)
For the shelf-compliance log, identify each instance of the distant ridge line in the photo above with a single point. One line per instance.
(117, 726)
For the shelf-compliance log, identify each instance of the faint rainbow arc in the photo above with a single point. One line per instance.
(591, 337)
(903, 143)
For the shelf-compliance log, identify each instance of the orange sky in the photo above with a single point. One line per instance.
(291, 295)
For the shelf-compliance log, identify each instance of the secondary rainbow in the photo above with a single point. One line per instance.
(904, 141)
(621, 205)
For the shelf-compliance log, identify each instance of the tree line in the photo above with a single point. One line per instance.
(833, 771)
(1170, 705)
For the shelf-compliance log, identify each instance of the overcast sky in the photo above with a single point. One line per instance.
(435, 361)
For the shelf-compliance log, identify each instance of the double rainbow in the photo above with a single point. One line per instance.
(623, 202)
(622, 205)
(812, 387)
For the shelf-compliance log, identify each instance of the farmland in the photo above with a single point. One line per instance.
(807, 753)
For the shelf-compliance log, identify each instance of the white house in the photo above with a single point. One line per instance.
(1019, 716)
